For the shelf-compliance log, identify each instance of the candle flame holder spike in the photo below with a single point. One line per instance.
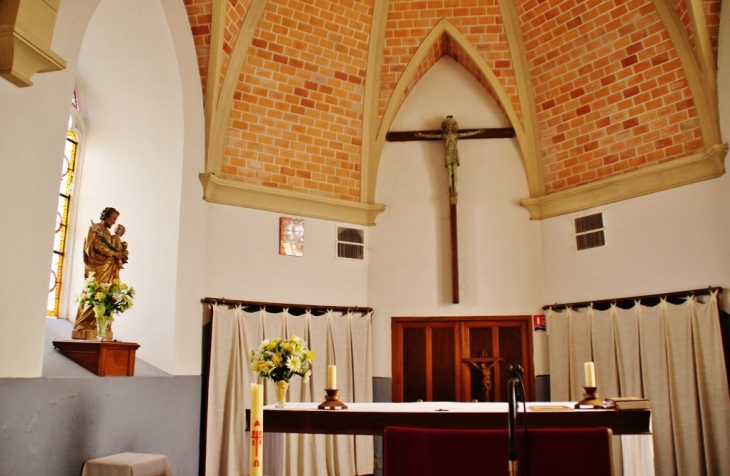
(331, 400)
(590, 397)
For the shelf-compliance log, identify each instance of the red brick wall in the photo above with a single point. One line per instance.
(409, 21)
(200, 13)
(712, 16)
(235, 13)
(296, 122)
(610, 94)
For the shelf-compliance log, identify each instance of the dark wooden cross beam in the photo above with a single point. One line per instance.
(494, 133)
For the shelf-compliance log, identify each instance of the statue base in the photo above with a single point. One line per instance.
(105, 359)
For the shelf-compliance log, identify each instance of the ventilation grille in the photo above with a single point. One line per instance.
(350, 243)
(589, 232)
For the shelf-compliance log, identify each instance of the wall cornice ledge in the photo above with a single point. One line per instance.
(684, 171)
(26, 29)
(239, 194)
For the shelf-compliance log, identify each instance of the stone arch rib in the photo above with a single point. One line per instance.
(224, 101)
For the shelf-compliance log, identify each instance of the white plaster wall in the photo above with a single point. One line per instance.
(500, 263)
(243, 261)
(149, 132)
(143, 150)
(33, 131)
(667, 241)
(192, 209)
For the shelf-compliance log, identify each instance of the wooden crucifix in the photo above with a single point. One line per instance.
(450, 134)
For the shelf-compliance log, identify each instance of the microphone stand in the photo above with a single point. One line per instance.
(511, 424)
(516, 387)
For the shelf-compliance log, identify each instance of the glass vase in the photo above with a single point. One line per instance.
(281, 387)
(102, 322)
(101, 326)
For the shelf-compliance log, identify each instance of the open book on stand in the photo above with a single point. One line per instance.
(626, 403)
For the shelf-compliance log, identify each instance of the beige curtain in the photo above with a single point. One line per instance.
(670, 354)
(343, 340)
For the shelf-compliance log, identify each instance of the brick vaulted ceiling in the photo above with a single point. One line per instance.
(609, 98)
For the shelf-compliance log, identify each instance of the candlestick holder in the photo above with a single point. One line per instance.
(331, 400)
(590, 397)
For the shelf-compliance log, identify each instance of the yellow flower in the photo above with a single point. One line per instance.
(115, 281)
(280, 359)
(100, 296)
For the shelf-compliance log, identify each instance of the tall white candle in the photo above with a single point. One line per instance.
(257, 430)
(590, 374)
(331, 377)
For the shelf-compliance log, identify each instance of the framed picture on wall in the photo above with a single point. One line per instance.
(291, 236)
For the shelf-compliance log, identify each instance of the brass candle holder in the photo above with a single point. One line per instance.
(590, 397)
(331, 400)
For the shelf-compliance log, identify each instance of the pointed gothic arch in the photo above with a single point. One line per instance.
(445, 31)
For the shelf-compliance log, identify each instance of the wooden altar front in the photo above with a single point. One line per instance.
(373, 418)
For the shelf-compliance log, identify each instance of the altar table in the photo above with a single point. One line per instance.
(373, 418)
(128, 464)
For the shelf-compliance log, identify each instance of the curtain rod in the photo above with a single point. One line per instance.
(706, 290)
(237, 302)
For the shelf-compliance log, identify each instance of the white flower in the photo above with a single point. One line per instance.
(294, 364)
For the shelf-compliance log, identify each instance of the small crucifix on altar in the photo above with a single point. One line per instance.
(484, 365)
(450, 135)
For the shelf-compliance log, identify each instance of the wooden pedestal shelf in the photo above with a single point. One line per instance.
(105, 359)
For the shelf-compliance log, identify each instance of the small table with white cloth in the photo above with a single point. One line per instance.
(128, 464)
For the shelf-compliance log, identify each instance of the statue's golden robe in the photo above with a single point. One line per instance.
(98, 260)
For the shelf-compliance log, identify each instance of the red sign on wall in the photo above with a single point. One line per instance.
(539, 323)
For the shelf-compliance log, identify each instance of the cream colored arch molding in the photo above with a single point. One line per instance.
(527, 145)
(231, 192)
(687, 170)
(635, 184)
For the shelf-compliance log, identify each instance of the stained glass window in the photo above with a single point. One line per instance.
(62, 214)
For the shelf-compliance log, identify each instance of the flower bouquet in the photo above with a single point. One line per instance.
(106, 299)
(281, 359)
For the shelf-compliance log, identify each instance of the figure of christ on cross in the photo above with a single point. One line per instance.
(486, 369)
(450, 135)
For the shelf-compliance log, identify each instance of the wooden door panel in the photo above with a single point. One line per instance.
(510, 349)
(414, 364)
(480, 341)
(430, 357)
(443, 363)
(510, 342)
